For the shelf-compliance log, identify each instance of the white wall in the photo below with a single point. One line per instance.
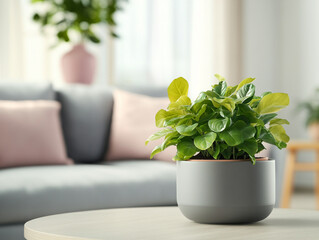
(281, 49)
(261, 43)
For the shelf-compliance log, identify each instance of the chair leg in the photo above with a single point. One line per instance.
(289, 178)
(317, 180)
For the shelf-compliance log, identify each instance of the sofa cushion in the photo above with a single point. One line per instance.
(31, 134)
(16, 91)
(86, 115)
(133, 122)
(30, 192)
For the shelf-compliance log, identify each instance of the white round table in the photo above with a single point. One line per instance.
(166, 223)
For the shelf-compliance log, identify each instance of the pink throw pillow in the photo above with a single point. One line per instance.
(31, 134)
(133, 122)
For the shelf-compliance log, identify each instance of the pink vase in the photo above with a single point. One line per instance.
(78, 65)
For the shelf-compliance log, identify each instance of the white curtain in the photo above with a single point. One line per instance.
(159, 41)
(154, 46)
(215, 42)
(164, 39)
(11, 59)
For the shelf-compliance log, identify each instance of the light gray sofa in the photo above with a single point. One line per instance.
(30, 192)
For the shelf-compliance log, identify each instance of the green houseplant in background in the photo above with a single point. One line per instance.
(312, 118)
(76, 21)
(223, 123)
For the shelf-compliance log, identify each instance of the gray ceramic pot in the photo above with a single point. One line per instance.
(226, 191)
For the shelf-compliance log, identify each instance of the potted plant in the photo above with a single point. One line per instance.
(217, 136)
(75, 21)
(312, 119)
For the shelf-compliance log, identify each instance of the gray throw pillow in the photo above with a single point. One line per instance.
(86, 116)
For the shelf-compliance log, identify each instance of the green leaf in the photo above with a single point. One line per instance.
(248, 112)
(272, 102)
(258, 130)
(186, 149)
(254, 102)
(267, 117)
(203, 129)
(178, 88)
(186, 120)
(187, 130)
(219, 77)
(205, 141)
(172, 122)
(266, 136)
(237, 133)
(160, 117)
(201, 111)
(281, 145)
(216, 151)
(197, 105)
(182, 101)
(218, 125)
(279, 133)
(201, 97)
(227, 152)
(245, 109)
(170, 139)
(245, 81)
(155, 151)
(278, 121)
(260, 147)
(221, 88)
(230, 90)
(163, 115)
(178, 158)
(36, 17)
(113, 34)
(250, 146)
(223, 112)
(223, 146)
(264, 94)
(158, 135)
(253, 159)
(246, 92)
(228, 103)
(93, 38)
(212, 94)
(63, 35)
(210, 152)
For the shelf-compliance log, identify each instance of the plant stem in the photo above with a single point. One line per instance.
(234, 157)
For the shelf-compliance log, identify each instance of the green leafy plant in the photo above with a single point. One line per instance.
(226, 122)
(79, 16)
(312, 108)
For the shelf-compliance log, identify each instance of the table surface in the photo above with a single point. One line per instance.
(168, 223)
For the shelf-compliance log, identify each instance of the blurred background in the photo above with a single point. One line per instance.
(275, 41)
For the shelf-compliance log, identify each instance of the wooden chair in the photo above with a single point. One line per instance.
(292, 166)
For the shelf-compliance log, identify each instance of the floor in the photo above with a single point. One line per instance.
(303, 199)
